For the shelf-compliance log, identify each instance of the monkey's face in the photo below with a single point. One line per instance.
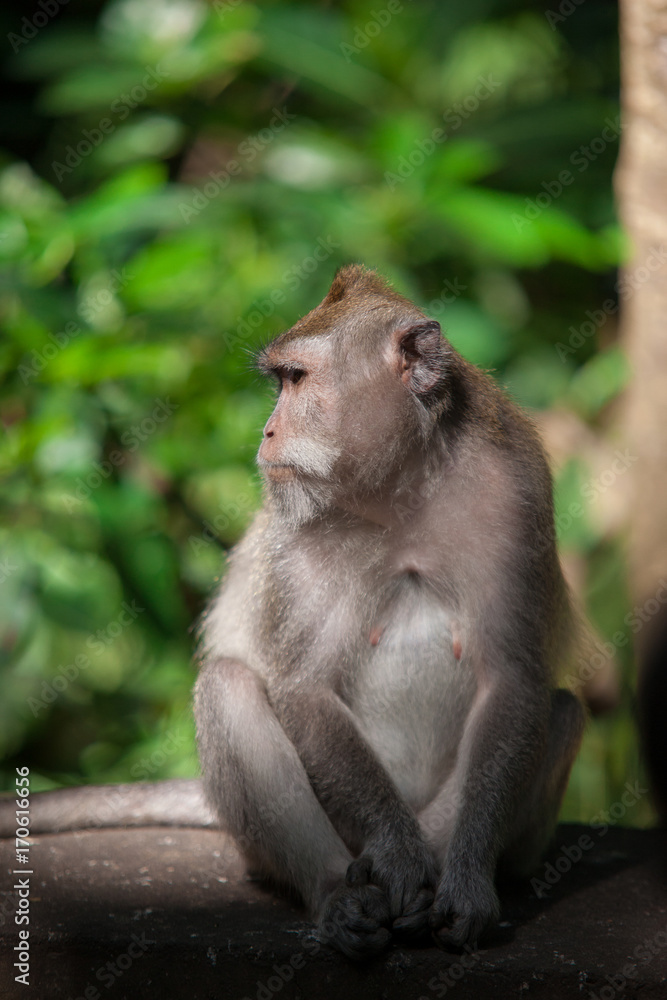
(299, 450)
(299, 434)
(337, 429)
(356, 379)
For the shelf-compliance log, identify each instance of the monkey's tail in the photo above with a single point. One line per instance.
(177, 802)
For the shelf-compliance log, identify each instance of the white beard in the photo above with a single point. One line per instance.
(298, 502)
(307, 496)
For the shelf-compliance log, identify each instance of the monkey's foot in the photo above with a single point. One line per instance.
(465, 906)
(355, 921)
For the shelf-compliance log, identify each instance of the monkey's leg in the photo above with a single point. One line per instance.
(536, 817)
(500, 752)
(256, 783)
(470, 850)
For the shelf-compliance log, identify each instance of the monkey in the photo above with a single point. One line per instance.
(378, 718)
(382, 655)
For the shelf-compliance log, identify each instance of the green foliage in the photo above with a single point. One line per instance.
(187, 179)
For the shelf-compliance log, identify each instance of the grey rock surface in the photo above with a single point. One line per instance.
(157, 912)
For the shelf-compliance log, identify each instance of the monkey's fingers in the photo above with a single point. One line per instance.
(403, 870)
(363, 914)
(361, 947)
(465, 906)
(361, 924)
(354, 921)
(359, 938)
(453, 931)
(373, 902)
(359, 871)
(413, 922)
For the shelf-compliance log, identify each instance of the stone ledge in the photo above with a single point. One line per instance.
(197, 927)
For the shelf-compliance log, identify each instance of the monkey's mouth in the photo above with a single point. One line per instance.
(277, 472)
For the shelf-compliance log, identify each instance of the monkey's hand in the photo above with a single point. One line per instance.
(408, 877)
(354, 920)
(466, 904)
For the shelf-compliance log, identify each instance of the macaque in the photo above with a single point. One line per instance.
(378, 717)
(377, 713)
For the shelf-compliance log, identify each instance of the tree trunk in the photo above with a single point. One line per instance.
(641, 180)
(641, 183)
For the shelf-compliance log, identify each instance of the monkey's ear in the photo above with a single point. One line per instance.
(422, 357)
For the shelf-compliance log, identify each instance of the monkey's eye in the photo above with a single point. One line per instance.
(292, 375)
(282, 374)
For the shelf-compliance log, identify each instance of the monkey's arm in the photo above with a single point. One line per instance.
(358, 795)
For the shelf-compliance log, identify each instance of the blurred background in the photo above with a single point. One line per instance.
(179, 181)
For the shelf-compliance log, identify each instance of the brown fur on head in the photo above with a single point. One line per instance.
(359, 300)
(356, 277)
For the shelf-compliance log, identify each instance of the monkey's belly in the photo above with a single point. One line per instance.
(413, 696)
